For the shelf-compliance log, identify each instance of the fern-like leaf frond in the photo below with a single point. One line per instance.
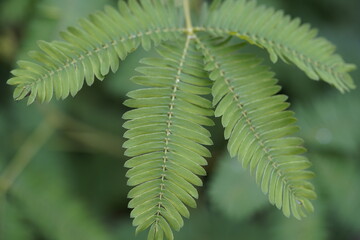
(258, 127)
(94, 48)
(282, 37)
(166, 138)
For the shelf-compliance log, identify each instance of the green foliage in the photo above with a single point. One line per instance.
(343, 196)
(13, 10)
(165, 137)
(342, 161)
(258, 128)
(166, 131)
(323, 131)
(54, 208)
(11, 223)
(206, 224)
(282, 37)
(92, 49)
(312, 228)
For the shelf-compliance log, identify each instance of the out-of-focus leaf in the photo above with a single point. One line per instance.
(331, 122)
(339, 179)
(209, 225)
(233, 191)
(71, 11)
(52, 16)
(8, 45)
(312, 227)
(12, 224)
(14, 10)
(43, 194)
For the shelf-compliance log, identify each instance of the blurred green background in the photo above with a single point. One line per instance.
(74, 185)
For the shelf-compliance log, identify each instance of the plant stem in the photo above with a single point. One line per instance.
(88, 135)
(189, 26)
(26, 152)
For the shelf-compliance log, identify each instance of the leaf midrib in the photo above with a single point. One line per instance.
(72, 62)
(248, 121)
(253, 39)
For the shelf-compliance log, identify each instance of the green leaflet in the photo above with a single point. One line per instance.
(166, 137)
(282, 37)
(93, 48)
(258, 127)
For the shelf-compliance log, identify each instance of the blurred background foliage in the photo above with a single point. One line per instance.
(74, 186)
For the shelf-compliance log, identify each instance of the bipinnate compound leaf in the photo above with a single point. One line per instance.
(202, 71)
